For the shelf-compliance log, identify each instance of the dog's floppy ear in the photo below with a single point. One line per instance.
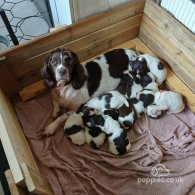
(47, 75)
(78, 73)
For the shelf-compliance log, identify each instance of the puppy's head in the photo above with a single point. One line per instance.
(146, 96)
(139, 66)
(128, 78)
(114, 113)
(60, 66)
(121, 143)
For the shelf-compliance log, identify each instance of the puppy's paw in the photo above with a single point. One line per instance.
(49, 130)
(56, 113)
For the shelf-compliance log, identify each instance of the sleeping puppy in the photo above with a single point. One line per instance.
(156, 67)
(118, 141)
(169, 101)
(113, 99)
(147, 81)
(73, 84)
(127, 116)
(132, 83)
(145, 63)
(74, 129)
(93, 135)
(138, 107)
(142, 101)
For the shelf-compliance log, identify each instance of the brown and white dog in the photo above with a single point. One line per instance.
(73, 84)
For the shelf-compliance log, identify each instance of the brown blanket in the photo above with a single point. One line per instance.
(81, 170)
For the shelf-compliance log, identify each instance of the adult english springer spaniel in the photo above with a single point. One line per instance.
(73, 84)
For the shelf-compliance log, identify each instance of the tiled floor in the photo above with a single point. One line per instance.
(26, 20)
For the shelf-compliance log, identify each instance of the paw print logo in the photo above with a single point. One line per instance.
(159, 170)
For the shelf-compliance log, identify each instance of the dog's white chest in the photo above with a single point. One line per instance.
(72, 99)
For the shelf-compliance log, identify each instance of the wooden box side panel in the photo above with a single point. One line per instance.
(170, 40)
(13, 140)
(87, 38)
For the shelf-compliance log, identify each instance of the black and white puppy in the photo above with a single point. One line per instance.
(158, 102)
(133, 84)
(93, 135)
(113, 99)
(73, 84)
(74, 129)
(147, 81)
(145, 63)
(155, 66)
(118, 141)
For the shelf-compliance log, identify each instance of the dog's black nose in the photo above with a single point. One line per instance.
(62, 71)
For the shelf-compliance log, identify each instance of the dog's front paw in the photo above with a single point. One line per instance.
(49, 130)
(56, 113)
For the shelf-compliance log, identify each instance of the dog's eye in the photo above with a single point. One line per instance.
(53, 62)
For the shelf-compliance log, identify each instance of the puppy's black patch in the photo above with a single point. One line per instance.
(114, 113)
(147, 99)
(133, 100)
(108, 99)
(95, 131)
(139, 66)
(96, 120)
(121, 143)
(94, 76)
(118, 62)
(124, 110)
(74, 129)
(145, 80)
(127, 124)
(161, 66)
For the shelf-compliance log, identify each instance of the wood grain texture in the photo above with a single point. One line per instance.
(32, 90)
(14, 189)
(66, 34)
(35, 182)
(8, 81)
(178, 32)
(173, 81)
(82, 44)
(170, 40)
(13, 140)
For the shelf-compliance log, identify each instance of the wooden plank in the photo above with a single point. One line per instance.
(173, 81)
(34, 76)
(64, 35)
(38, 88)
(82, 44)
(178, 32)
(166, 48)
(32, 90)
(36, 182)
(13, 140)
(8, 81)
(10, 154)
(14, 189)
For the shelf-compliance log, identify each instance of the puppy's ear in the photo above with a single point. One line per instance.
(47, 75)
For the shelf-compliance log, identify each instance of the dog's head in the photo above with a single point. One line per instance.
(139, 66)
(146, 96)
(62, 65)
